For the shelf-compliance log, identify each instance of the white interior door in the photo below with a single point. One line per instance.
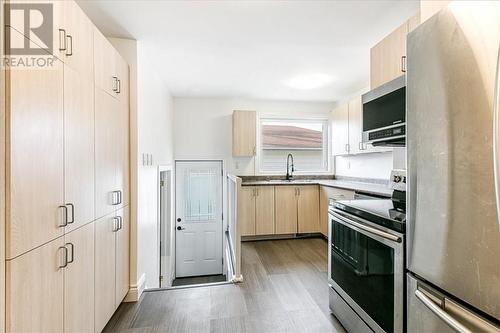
(198, 218)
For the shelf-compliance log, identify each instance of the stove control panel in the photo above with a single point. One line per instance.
(398, 180)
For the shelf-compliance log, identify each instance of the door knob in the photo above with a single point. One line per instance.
(180, 228)
(179, 219)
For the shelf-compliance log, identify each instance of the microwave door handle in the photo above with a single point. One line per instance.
(368, 229)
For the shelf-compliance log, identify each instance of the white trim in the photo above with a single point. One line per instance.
(135, 291)
(162, 168)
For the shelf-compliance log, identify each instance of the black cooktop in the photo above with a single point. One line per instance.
(378, 211)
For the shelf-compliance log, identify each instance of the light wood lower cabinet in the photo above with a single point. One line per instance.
(35, 296)
(327, 193)
(105, 278)
(308, 209)
(246, 217)
(79, 280)
(122, 255)
(286, 209)
(264, 210)
(111, 264)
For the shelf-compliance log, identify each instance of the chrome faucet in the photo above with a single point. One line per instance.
(289, 173)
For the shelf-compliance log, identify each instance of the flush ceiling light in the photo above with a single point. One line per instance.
(309, 81)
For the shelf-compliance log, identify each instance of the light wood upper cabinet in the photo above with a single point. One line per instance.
(105, 274)
(388, 57)
(308, 209)
(122, 255)
(35, 290)
(340, 130)
(104, 64)
(123, 113)
(79, 281)
(247, 214)
(264, 210)
(79, 39)
(355, 125)
(35, 177)
(286, 209)
(244, 133)
(78, 147)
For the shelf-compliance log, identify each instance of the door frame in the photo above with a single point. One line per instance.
(223, 205)
(171, 270)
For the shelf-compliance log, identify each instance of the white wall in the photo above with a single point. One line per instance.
(203, 126)
(151, 121)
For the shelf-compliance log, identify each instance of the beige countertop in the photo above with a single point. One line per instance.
(361, 187)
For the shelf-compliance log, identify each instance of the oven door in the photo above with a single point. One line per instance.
(365, 267)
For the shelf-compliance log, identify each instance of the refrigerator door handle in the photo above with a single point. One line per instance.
(438, 311)
(449, 311)
(496, 143)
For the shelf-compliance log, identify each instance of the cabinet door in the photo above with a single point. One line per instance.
(78, 147)
(36, 158)
(107, 151)
(244, 133)
(104, 64)
(79, 281)
(340, 130)
(79, 40)
(123, 115)
(264, 210)
(246, 213)
(355, 126)
(414, 21)
(308, 209)
(386, 58)
(285, 198)
(35, 290)
(122, 255)
(105, 261)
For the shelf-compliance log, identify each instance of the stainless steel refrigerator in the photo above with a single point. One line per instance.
(453, 147)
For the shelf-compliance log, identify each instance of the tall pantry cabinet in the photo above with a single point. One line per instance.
(67, 179)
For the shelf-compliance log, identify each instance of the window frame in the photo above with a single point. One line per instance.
(302, 118)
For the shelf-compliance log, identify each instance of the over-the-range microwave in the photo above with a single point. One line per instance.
(384, 114)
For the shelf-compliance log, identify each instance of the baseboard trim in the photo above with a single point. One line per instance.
(135, 291)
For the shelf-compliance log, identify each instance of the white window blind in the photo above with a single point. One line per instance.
(306, 140)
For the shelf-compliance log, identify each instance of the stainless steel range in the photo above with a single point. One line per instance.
(366, 260)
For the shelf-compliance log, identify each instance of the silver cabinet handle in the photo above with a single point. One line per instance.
(298, 191)
(347, 147)
(69, 51)
(62, 33)
(115, 83)
(72, 213)
(257, 191)
(65, 217)
(361, 146)
(115, 224)
(119, 88)
(403, 64)
(120, 197)
(72, 252)
(65, 256)
(120, 223)
(350, 222)
(116, 198)
(438, 311)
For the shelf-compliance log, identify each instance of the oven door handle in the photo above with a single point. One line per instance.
(348, 222)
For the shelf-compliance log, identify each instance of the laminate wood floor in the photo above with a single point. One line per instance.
(186, 281)
(285, 289)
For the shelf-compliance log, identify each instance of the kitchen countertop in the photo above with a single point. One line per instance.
(358, 186)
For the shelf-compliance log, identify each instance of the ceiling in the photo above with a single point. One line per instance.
(280, 50)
